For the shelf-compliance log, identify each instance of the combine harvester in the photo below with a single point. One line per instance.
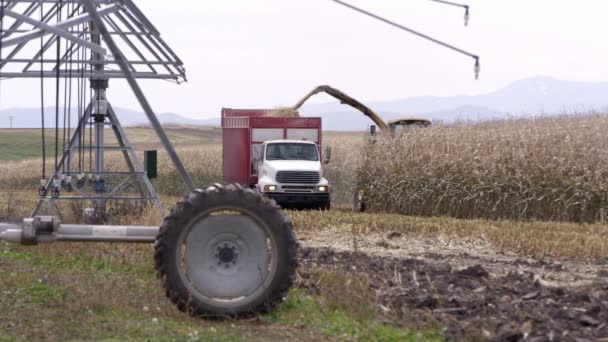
(224, 250)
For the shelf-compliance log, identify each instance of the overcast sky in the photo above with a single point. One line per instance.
(267, 53)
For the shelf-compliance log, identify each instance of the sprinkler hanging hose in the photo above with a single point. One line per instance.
(419, 34)
(43, 182)
(467, 11)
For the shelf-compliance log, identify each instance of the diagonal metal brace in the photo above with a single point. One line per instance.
(54, 30)
(62, 25)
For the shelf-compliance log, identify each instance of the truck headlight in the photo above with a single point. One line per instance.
(270, 188)
(323, 188)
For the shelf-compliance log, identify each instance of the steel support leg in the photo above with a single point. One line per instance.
(74, 140)
(135, 167)
(133, 161)
(91, 7)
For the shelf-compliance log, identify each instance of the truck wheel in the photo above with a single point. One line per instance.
(326, 205)
(226, 251)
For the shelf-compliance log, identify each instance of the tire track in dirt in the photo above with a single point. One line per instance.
(471, 303)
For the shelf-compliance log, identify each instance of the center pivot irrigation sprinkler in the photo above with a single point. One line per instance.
(224, 250)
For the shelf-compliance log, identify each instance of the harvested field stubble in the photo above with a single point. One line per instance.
(203, 163)
(550, 169)
(535, 239)
(471, 304)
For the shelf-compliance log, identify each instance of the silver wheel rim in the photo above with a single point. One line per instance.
(225, 256)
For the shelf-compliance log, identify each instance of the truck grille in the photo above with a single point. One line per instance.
(298, 188)
(298, 177)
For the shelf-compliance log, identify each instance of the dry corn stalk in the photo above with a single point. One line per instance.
(540, 169)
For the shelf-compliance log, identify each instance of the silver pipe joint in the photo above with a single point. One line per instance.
(46, 229)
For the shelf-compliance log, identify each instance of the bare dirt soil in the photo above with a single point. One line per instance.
(473, 291)
(461, 253)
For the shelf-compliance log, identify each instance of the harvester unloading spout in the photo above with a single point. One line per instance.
(344, 99)
(349, 100)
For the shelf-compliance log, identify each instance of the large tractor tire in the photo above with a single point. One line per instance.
(226, 251)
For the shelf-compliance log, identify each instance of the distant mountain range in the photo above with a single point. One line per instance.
(533, 96)
(31, 118)
(529, 97)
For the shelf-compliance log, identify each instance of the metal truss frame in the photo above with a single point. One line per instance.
(147, 54)
(135, 177)
(118, 42)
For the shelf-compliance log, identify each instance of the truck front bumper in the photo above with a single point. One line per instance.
(286, 199)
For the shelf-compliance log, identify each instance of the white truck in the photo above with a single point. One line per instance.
(279, 156)
(290, 172)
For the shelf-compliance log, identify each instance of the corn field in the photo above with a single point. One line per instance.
(550, 169)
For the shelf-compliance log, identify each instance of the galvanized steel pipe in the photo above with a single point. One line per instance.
(14, 233)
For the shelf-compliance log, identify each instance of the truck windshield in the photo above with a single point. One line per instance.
(292, 151)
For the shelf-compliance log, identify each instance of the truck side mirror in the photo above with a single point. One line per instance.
(327, 155)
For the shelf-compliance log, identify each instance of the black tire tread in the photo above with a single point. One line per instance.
(184, 211)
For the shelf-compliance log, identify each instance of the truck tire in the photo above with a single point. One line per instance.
(327, 205)
(226, 251)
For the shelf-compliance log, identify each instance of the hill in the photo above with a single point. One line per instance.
(31, 118)
(528, 97)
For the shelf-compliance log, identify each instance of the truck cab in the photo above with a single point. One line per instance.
(291, 172)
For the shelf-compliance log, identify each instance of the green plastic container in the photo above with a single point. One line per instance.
(151, 163)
